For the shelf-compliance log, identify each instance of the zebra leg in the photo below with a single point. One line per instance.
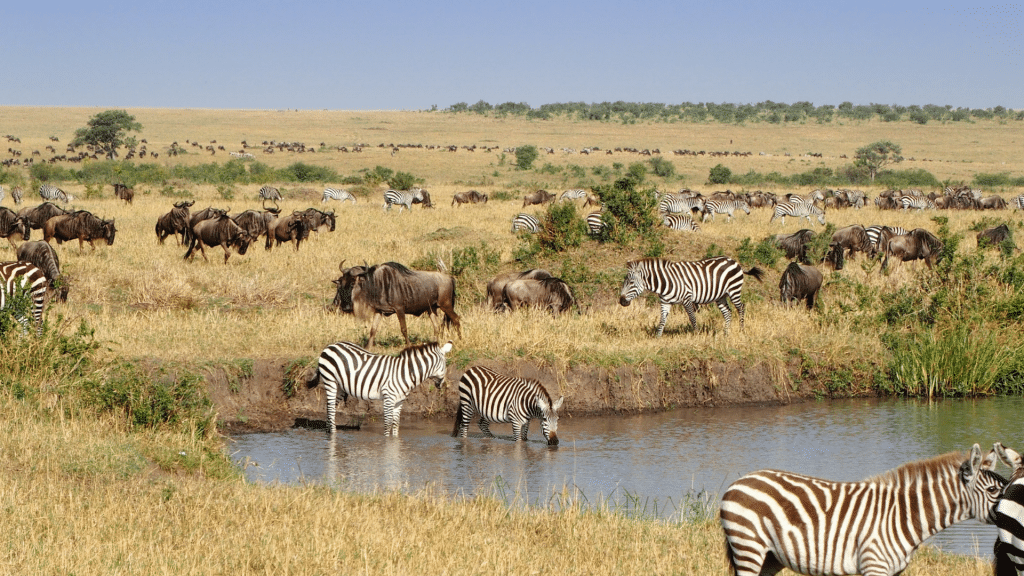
(331, 391)
(485, 427)
(723, 306)
(665, 307)
(691, 311)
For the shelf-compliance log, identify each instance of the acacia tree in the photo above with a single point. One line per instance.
(876, 155)
(108, 131)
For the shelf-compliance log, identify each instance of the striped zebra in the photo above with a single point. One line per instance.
(728, 207)
(797, 210)
(526, 223)
(594, 223)
(674, 205)
(682, 222)
(1017, 203)
(717, 280)
(28, 277)
(2, 193)
(336, 194)
(402, 199)
(916, 202)
(50, 193)
(350, 370)
(269, 193)
(878, 234)
(16, 194)
(775, 519)
(494, 398)
(1009, 517)
(574, 194)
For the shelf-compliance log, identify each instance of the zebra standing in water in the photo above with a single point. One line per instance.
(1009, 517)
(712, 207)
(16, 194)
(774, 519)
(797, 210)
(525, 222)
(916, 202)
(494, 398)
(680, 222)
(717, 280)
(50, 193)
(336, 194)
(574, 194)
(269, 193)
(402, 199)
(29, 278)
(347, 369)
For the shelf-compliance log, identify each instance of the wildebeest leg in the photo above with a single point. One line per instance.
(401, 323)
(227, 253)
(373, 328)
(202, 250)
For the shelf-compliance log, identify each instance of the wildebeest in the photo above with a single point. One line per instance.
(992, 203)
(800, 282)
(994, 236)
(538, 197)
(846, 242)
(391, 288)
(174, 222)
(471, 197)
(38, 215)
(256, 222)
(13, 225)
(317, 219)
(496, 287)
(221, 231)
(795, 245)
(547, 294)
(45, 258)
(123, 192)
(292, 228)
(82, 225)
(208, 213)
(919, 244)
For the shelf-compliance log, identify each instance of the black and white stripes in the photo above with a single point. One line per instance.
(402, 199)
(526, 223)
(494, 398)
(574, 194)
(337, 194)
(727, 207)
(269, 193)
(50, 193)
(1008, 517)
(349, 370)
(797, 209)
(32, 280)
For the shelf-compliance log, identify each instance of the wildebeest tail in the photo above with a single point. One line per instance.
(756, 273)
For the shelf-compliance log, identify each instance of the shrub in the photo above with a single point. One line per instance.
(562, 228)
(301, 172)
(403, 181)
(662, 167)
(719, 175)
(526, 155)
(628, 212)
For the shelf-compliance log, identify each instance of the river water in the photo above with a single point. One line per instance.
(649, 464)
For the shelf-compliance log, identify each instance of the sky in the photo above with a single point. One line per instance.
(411, 55)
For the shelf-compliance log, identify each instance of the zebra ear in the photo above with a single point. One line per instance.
(969, 469)
(447, 347)
(557, 404)
(1008, 456)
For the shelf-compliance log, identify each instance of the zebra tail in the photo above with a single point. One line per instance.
(458, 420)
(314, 381)
(756, 273)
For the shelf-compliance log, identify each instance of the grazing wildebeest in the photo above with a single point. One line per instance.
(547, 294)
(391, 288)
(994, 236)
(992, 203)
(123, 192)
(846, 242)
(81, 225)
(795, 245)
(256, 222)
(207, 213)
(800, 282)
(13, 225)
(292, 228)
(471, 197)
(496, 287)
(538, 197)
(919, 244)
(38, 215)
(221, 231)
(45, 258)
(317, 219)
(174, 222)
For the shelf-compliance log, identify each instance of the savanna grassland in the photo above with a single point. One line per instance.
(98, 483)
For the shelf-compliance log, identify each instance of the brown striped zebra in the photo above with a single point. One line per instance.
(492, 398)
(28, 277)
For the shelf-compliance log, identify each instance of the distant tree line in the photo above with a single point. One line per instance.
(767, 111)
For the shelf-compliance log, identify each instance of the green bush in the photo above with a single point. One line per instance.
(562, 228)
(403, 181)
(719, 175)
(526, 155)
(662, 167)
(629, 213)
(301, 172)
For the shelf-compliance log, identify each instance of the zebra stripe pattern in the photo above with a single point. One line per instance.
(1017, 203)
(728, 207)
(526, 223)
(28, 277)
(774, 519)
(402, 199)
(1008, 517)
(916, 202)
(50, 193)
(875, 234)
(16, 194)
(680, 222)
(494, 398)
(594, 223)
(797, 210)
(574, 194)
(269, 193)
(349, 370)
(717, 280)
(2, 193)
(336, 194)
(673, 205)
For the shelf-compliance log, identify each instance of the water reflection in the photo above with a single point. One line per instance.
(643, 462)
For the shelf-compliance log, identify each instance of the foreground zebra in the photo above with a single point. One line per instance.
(30, 278)
(774, 520)
(494, 398)
(717, 280)
(1009, 517)
(526, 223)
(680, 222)
(797, 210)
(403, 199)
(727, 207)
(336, 194)
(50, 193)
(350, 370)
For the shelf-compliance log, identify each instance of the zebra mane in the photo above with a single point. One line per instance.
(414, 348)
(918, 469)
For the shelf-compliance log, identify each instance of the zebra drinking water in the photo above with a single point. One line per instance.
(717, 280)
(349, 370)
(494, 398)
(336, 194)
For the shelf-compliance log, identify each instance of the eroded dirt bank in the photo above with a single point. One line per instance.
(259, 402)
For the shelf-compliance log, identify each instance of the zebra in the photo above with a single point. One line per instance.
(526, 223)
(1008, 517)
(402, 199)
(681, 222)
(503, 399)
(728, 207)
(348, 369)
(50, 193)
(774, 520)
(717, 280)
(876, 235)
(2, 193)
(797, 210)
(30, 278)
(1017, 203)
(16, 194)
(269, 193)
(673, 204)
(916, 202)
(574, 194)
(336, 194)
(594, 223)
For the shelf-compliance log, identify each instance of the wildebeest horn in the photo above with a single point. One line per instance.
(342, 265)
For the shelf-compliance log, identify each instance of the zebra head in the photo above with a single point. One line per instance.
(549, 412)
(981, 487)
(436, 363)
(634, 285)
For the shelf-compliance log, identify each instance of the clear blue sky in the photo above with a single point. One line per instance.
(399, 54)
